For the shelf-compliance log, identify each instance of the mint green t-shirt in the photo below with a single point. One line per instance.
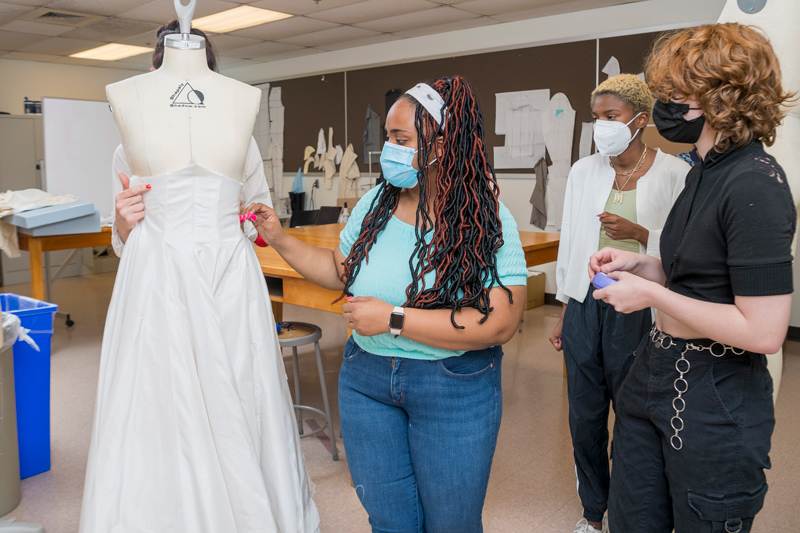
(387, 274)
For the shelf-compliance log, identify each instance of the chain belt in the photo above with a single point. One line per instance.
(682, 365)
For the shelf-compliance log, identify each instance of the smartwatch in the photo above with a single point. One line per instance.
(396, 320)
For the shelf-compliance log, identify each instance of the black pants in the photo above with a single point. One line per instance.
(598, 351)
(715, 482)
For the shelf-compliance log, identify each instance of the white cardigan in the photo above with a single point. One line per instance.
(589, 183)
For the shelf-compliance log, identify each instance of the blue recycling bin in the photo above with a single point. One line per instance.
(32, 382)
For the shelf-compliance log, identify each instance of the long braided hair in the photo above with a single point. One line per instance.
(465, 224)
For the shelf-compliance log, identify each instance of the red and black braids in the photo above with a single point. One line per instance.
(465, 225)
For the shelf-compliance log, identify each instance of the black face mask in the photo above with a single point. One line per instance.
(668, 118)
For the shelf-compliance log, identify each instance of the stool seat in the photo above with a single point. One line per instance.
(299, 334)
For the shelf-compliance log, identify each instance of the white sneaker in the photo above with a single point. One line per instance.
(584, 527)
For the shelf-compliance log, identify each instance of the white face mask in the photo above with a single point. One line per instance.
(612, 137)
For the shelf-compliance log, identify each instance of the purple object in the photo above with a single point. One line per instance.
(601, 281)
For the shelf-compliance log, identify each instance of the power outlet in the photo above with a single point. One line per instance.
(316, 184)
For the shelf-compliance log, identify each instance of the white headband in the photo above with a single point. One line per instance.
(430, 100)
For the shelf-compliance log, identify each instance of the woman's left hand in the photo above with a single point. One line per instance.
(367, 315)
(630, 293)
(619, 228)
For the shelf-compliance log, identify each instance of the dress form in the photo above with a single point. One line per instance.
(184, 113)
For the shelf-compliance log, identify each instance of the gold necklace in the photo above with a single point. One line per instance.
(619, 196)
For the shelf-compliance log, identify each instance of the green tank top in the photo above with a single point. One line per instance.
(626, 209)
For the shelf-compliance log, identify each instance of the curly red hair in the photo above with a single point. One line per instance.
(733, 73)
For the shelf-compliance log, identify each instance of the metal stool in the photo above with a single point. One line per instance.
(296, 334)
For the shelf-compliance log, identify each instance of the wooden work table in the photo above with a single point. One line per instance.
(287, 286)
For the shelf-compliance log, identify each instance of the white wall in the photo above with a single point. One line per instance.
(36, 80)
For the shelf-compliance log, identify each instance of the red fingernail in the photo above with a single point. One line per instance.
(148, 186)
(349, 297)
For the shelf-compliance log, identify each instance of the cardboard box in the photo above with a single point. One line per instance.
(351, 203)
(535, 289)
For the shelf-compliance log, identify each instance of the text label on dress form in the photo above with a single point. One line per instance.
(187, 96)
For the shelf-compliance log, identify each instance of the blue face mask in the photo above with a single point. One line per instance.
(396, 165)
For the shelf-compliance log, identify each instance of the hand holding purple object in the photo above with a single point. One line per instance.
(601, 281)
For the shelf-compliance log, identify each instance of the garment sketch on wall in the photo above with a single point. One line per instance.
(518, 118)
(558, 126)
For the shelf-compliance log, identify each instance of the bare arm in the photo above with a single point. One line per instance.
(318, 265)
(369, 316)
(754, 323)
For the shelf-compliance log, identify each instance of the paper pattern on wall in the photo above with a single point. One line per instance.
(268, 133)
(518, 118)
(558, 125)
(585, 144)
(612, 67)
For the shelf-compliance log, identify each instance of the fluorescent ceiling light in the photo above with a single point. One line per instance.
(112, 52)
(237, 18)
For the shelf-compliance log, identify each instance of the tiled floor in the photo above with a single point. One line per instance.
(532, 488)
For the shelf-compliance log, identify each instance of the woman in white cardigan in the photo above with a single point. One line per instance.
(618, 197)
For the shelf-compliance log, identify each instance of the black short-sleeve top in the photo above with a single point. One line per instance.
(730, 231)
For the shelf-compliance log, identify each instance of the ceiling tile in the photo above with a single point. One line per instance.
(333, 35)
(413, 21)
(107, 8)
(453, 26)
(224, 41)
(24, 26)
(61, 46)
(163, 11)
(94, 63)
(36, 3)
(9, 12)
(255, 51)
(112, 30)
(281, 29)
(143, 39)
(302, 7)
(380, 38)
(12, 41)
(22, 56)
(371, 10)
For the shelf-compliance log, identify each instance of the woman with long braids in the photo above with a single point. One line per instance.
(434, 274)
(695, 413)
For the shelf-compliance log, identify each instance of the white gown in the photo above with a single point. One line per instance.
(194, 430)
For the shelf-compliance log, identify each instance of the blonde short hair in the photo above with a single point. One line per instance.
(630, 89)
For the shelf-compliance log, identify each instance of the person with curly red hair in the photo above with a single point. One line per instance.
(434, 273)
(695, 413)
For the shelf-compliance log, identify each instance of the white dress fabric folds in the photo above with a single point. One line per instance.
(194, 429)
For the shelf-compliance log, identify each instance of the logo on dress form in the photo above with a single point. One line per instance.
(187, 96)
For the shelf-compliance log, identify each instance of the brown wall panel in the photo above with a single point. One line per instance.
(567, 68)
(311, 103)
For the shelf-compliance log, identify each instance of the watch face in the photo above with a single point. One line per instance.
(396, 321)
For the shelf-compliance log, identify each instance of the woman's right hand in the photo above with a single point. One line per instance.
(555, 337)
(612, 260)
(128, 207)
(268, 225)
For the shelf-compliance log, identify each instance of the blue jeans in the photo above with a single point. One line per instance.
(420, 437)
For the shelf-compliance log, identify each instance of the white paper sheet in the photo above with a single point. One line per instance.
(558, 126)
(518, 117)
(612, 67)
(585, 146)
(276, 124)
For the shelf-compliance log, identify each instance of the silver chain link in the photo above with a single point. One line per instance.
(682, 365)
